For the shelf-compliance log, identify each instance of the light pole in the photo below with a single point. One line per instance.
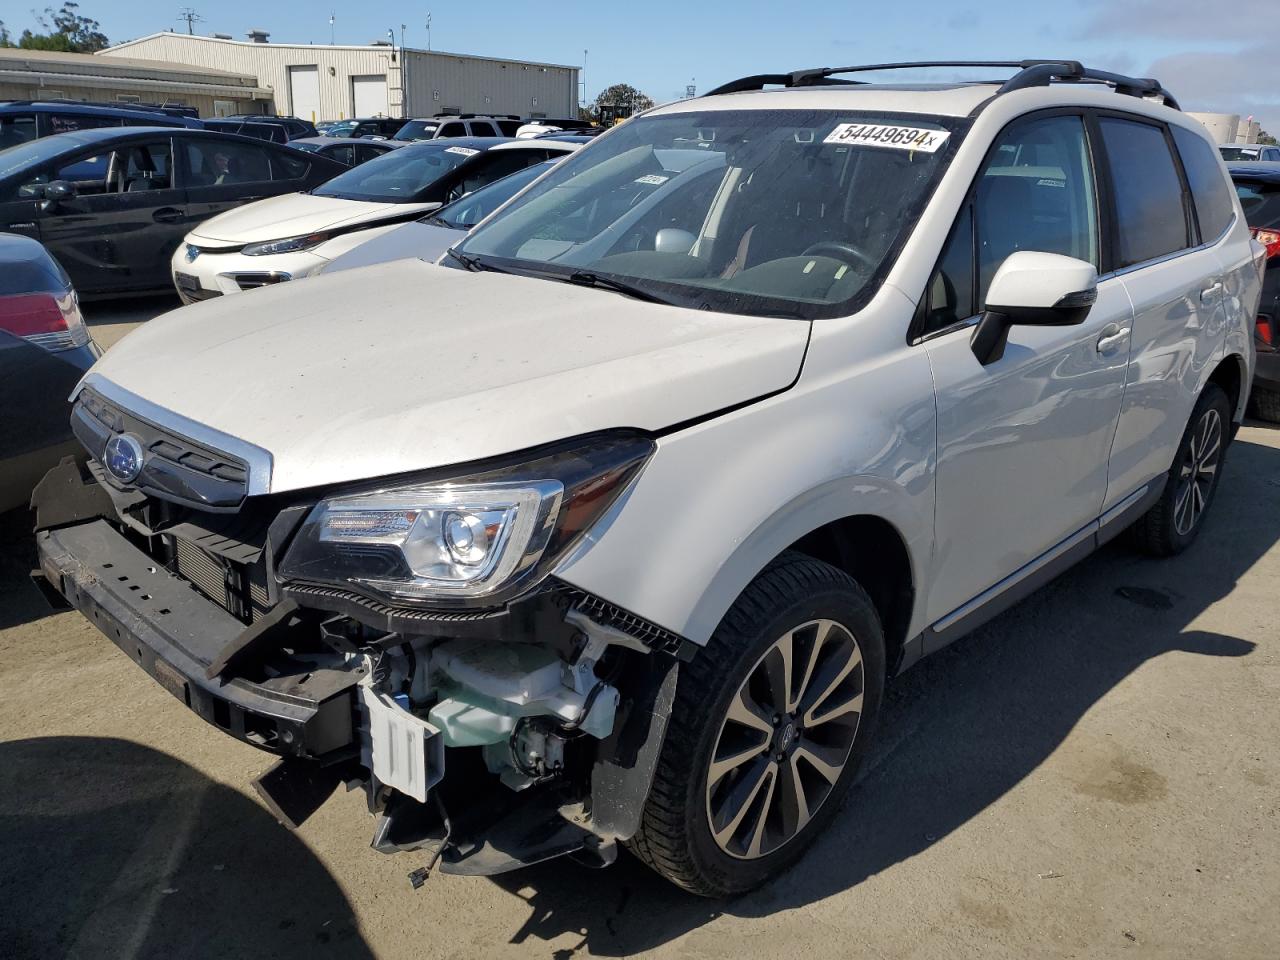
(331, 35)
(428, 31)
(584, 78)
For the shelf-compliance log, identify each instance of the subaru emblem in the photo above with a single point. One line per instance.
(123, 457)
(192, 252)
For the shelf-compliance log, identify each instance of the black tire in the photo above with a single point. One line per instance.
(1266, 404)
(1158, 532)
(675, 836)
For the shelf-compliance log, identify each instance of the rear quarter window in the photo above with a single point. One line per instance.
(1209, 187)
(286, 167)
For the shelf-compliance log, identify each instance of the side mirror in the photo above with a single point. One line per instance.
(57, 191)
(1034, 289)
(673, 240)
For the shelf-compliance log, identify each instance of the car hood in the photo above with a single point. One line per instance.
(407, 366)
(296, 215)
(426, 241)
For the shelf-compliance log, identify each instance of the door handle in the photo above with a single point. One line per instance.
(1210, 291)
(167, 215)
(1113, 335)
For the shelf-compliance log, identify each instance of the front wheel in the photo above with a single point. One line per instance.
(770, 724)
(1172, 524)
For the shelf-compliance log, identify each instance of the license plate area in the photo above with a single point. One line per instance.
(186, 281)
(171, 680)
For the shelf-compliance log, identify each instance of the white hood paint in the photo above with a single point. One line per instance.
(296, 215)
(426, 241)
(405, 366)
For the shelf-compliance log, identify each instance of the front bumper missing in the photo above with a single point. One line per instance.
(175, 634)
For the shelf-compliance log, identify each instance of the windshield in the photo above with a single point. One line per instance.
(1239, 153)
(398, 176)
(342, 128)
(776, 213)
(417, 130)
(33, 152)
(309, 147)
(465, 213)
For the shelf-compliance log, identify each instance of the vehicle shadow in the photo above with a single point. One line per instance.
(20, 601)
(962, 728)
(112, 849)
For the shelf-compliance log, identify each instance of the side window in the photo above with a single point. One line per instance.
(366, 152)
(128, 169)
(16, 128)
(453, 128)
(1151, 219)
(343, 154)
(67, 122)
(508, 127)
(145, 167)
(1209, 188)
(1036, 192)
(213, 163)
(482, 128)
(285, 166)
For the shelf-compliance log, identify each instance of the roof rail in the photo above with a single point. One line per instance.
(1031, 73)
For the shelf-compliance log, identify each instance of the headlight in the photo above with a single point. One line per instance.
(465, 541)
(290, 245)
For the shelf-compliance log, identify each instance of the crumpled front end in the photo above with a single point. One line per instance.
(489, 734)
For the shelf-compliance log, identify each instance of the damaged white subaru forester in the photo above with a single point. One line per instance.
(611, 527)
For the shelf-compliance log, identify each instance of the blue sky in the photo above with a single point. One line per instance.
(1211, 59)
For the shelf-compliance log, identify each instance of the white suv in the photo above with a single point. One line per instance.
(731, 417)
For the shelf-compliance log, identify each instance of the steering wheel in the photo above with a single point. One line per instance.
(842, 251)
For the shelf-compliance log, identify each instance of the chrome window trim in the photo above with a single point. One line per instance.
(257, 459)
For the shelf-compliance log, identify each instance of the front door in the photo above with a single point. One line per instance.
(1023, 441)
(126, 218)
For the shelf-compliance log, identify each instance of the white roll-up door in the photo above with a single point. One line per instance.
(304, 93)
(369, 95)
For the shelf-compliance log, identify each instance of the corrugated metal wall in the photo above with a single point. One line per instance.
(104, 91)
(440, 81)
(434, 80)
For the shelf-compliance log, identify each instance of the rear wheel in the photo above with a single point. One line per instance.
(1173, 523)
(769, 727)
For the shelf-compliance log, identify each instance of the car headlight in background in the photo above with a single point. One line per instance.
(288, 245)
(465, 541)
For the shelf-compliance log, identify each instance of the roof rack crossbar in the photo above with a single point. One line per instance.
(1031, 73)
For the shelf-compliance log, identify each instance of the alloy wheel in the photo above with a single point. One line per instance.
(785, 739)
(1199, 472)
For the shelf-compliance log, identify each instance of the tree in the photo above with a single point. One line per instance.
(65, 30)
(1266, 138)
(5, 41)
(622, 100)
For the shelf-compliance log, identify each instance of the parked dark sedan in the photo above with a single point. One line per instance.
(112, 205)
(1258, 186)
(44, 350)
(365, 127)
(350, 153)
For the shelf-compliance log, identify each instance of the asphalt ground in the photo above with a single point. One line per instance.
(1095, 773)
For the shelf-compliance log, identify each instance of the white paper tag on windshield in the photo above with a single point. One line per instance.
(653, 178)
(465, 151)
(923, 139)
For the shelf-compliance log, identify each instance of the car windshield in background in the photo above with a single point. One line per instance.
(475, 206)
(417, 130)
(1261, 203)
(397, 176)
(342, 128)
(309, 147)
(775, 213)
(1239, 153)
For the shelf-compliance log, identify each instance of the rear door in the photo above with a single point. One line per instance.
(126, 219)
(224, 173)
(1175, 284)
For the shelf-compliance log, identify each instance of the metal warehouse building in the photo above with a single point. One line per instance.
(44, 75)
(317, 82)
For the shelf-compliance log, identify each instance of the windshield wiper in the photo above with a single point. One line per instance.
(585, 278)
(474, 264)
(437, 220)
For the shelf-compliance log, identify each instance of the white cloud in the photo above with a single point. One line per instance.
(1223, 82)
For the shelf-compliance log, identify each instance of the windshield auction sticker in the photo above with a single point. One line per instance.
(884, 135)
(465, 151)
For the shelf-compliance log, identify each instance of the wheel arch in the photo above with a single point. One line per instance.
(1230, 374)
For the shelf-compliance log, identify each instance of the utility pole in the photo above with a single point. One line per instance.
(584, 78)
(331, 35)
(188, 14)
(428, 32)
